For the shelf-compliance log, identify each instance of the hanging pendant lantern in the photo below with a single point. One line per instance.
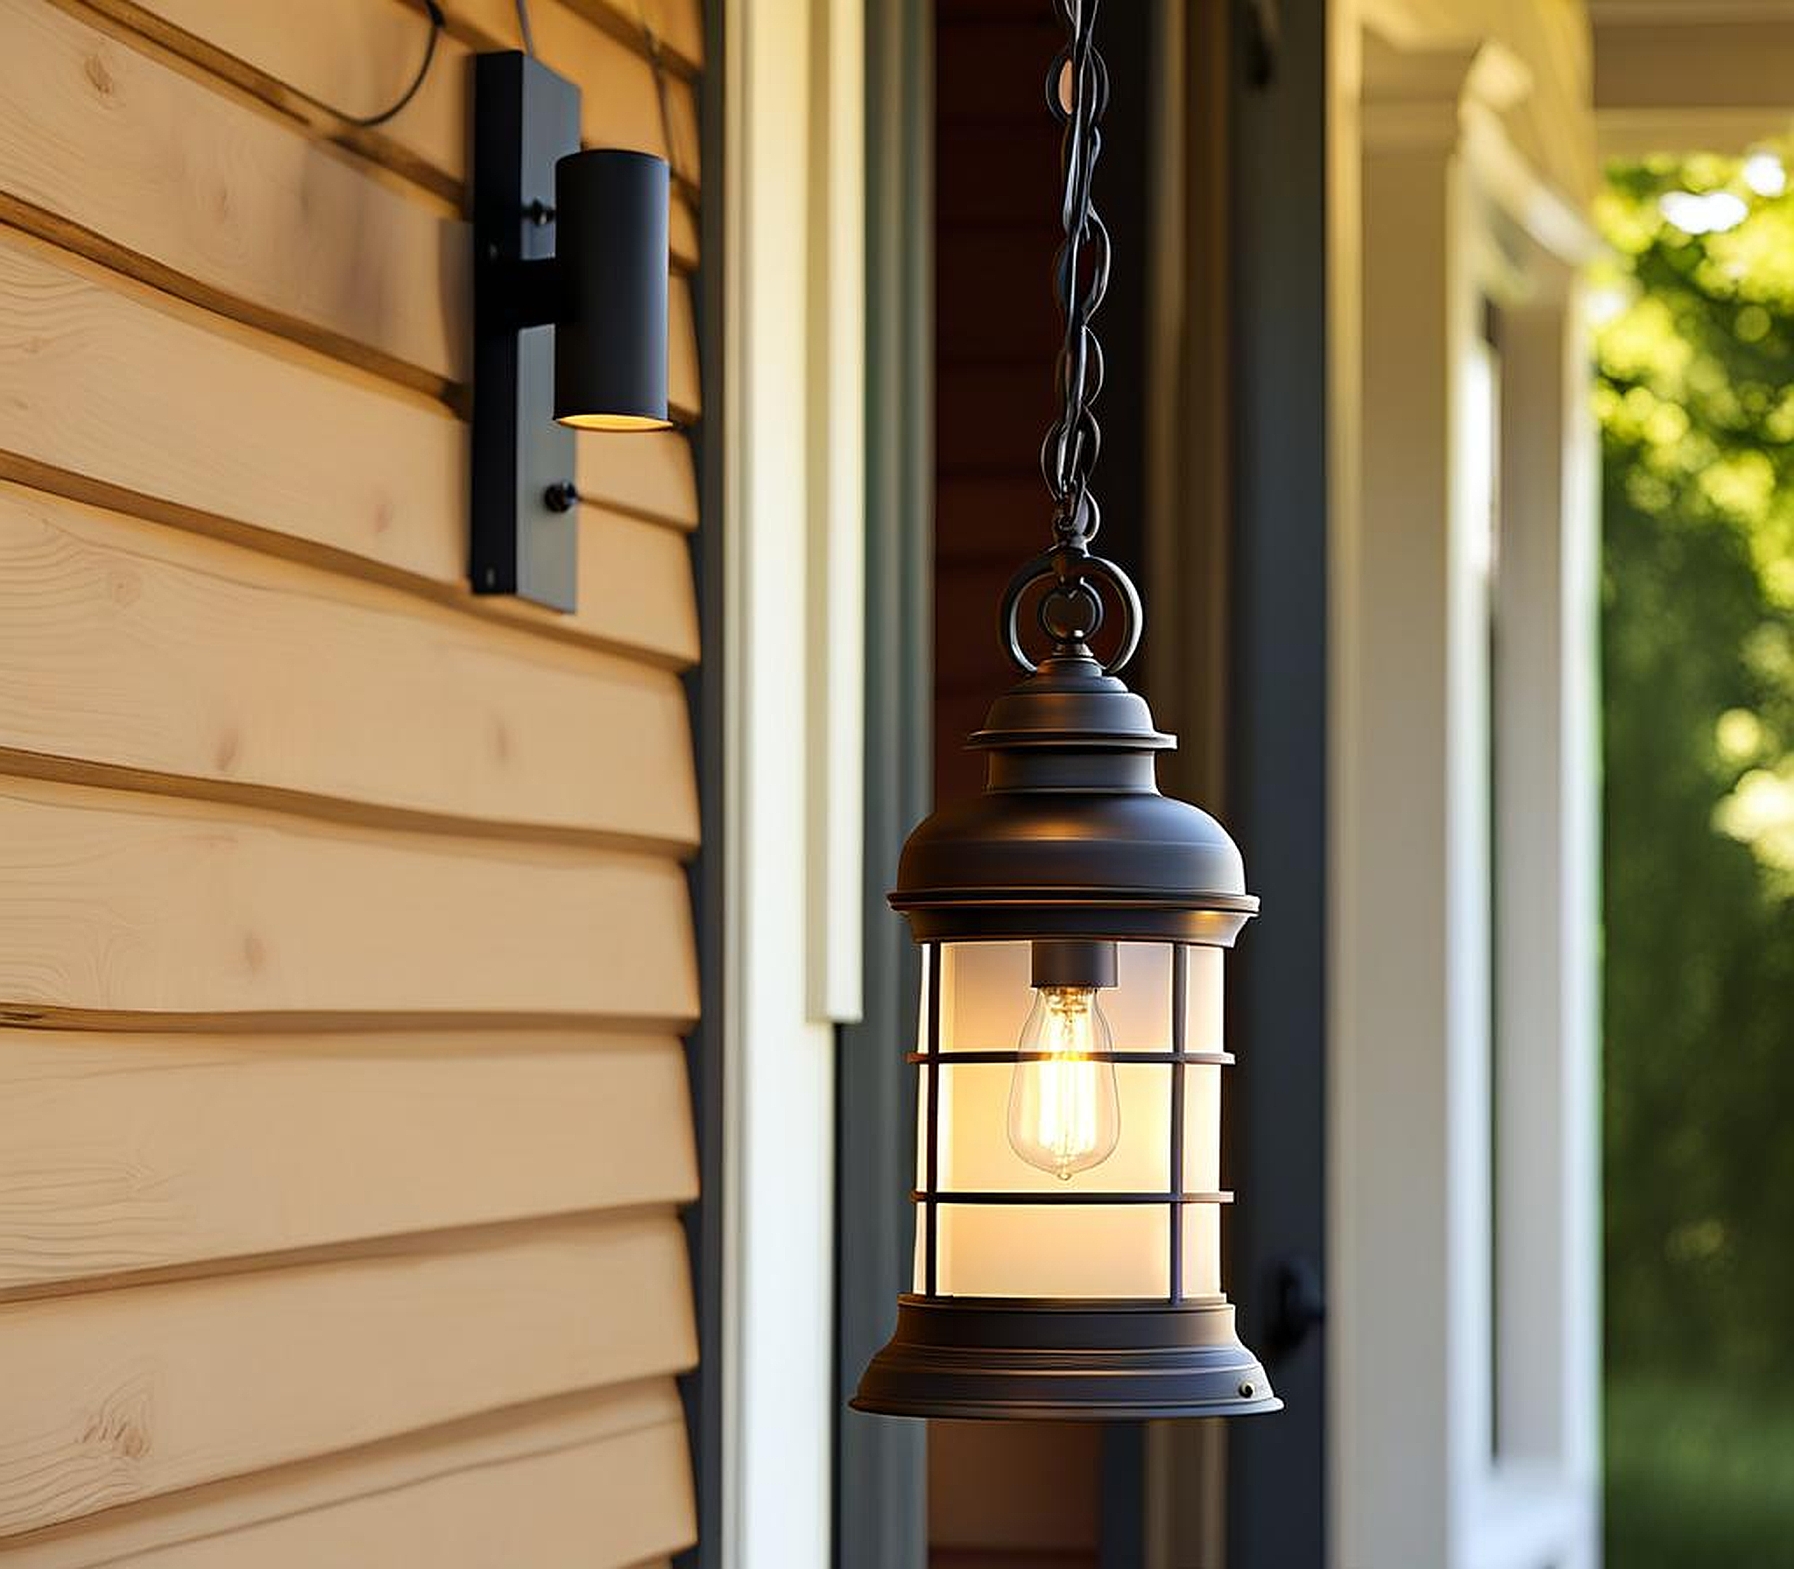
(1073, 924)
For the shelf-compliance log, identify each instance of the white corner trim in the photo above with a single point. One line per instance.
(836, 419)
(792, 532)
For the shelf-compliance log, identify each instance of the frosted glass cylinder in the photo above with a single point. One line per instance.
(1053, 1241)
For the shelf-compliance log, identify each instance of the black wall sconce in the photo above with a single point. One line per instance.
(570, 318)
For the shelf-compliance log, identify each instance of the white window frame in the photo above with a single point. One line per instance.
(1436, 213)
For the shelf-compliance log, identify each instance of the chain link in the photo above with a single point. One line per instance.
(1077, 90)
(1070, 611)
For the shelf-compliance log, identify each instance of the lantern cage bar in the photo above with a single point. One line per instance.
(1042, 1357)
(1174, 1061)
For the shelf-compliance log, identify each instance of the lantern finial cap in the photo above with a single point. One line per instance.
(1070, 701)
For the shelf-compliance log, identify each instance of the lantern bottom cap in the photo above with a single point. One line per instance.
(1033, 1359)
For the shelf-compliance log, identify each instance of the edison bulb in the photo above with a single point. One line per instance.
(1064, 1107)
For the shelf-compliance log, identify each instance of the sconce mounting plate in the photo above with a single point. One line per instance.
(524, 535)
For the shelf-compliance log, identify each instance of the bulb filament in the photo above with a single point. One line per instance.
(1064, 1107)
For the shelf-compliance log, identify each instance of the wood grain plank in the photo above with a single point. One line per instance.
(225, 1511)
(678, 24)
(123, 1395)
(224, 203)
(601, 1505)
(683, 230)
(123, 904)
(329, 59)
(647, 474)
(138, 166)
(130, 645)
(340, 57)
(132, 1152)
(684, 397)
(233, 441)
(635, 582)
(88, 384)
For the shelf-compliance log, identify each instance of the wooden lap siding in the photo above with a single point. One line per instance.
(345, 942)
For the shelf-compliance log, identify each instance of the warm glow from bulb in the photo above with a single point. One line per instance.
(615, 422)
(1065, 1109)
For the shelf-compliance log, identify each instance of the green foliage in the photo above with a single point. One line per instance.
(1698, 1478)
(1695, 394)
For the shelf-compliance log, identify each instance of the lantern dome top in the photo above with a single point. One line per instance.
(1071, 837)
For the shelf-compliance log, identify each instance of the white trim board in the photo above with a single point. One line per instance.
(793, 523)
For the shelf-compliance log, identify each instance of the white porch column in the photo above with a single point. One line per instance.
(1464, 1263)
(1405, 1140)
(1548, 1167)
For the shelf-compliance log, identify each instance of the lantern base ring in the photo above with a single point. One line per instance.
(1040, 1359)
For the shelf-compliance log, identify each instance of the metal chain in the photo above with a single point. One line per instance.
(1077, 92)
(1070, 612)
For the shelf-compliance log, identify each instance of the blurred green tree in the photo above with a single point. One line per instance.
(1695, 396)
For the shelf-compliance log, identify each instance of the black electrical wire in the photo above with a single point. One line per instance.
(529, 37)
(368, 122)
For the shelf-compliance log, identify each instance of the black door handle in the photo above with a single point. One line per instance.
(1299, 1304)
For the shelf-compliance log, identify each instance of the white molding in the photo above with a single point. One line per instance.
(1683, 13)
(1552, 221)
(836, 416)
(1673, 79)
(1411, 100)
(792, 527)
(1638, 133)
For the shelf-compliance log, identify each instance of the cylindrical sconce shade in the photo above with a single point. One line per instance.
(610, 344)
(1142, 1221)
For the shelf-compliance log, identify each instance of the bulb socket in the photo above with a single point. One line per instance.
(1073, 963)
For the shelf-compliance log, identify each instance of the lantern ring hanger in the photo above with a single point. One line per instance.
(1071, 611)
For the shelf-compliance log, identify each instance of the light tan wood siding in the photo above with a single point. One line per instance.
(346, 946)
